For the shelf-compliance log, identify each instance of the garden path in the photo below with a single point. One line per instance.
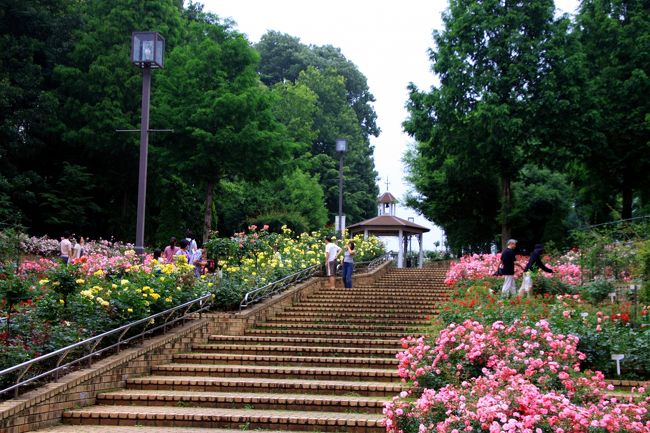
(325, 364)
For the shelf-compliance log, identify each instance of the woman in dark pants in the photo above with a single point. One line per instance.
(348, 265)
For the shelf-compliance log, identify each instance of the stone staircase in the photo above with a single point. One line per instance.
(326, 364)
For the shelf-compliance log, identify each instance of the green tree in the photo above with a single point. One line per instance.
(34, 35)
(343, 110)
(100, 91)
(542, 208)
(225, 127)
(493, 59)
(615, 35)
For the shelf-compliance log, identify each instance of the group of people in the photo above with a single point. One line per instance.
(507, 269)
(71, 248)
(186, 247)
(332, 253)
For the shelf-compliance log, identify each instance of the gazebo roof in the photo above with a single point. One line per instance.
(387, 225)
(386, 198)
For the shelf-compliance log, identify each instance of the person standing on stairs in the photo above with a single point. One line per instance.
(348, 264)
(332, 252)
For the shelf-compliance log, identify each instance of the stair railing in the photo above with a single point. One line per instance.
(164, 318)
(270, 289)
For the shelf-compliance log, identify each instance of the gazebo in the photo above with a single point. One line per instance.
(388, 224)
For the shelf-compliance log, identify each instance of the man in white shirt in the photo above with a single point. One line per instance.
(332, 252)
(66, 248)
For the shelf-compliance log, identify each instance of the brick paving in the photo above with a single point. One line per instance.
(326, 364)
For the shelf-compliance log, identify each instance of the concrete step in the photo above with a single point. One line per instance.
(266, 385)
(377, 329)
(224, 418)
(319, 320)
(234, 400)
(287, 360)
(355, 313)
(302, 350)
(279, 372)
(337, 334)
(356, 308)
(378, 305)
(344, 299)
(393, 343)
(65, 428)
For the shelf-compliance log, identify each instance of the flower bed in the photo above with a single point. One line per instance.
(602, 330)
(506, 378)
(254, 258)
(48, 305)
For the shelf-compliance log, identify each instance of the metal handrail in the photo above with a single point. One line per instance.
(261, 293)
(203, 303)
(379, 261)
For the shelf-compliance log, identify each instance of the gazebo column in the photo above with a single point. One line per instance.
(365, 234)
(421, 256)
(400, 246)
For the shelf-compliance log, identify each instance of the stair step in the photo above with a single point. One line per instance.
(385, 299)
(352, 315)
(281, 372)
(233, 400)
(247, 349)
(378, 305)
(223, 418)
(349, 320)
(350, 327)
(266, 385)
(290, 360)
(306, 341)
(144, 429)
(338, 334)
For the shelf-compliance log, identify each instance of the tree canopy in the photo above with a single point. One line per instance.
(250, 141)
(523, 95)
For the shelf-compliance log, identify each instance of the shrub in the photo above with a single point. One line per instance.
(597, 291)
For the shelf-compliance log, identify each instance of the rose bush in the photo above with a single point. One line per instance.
(480, 266)
(506, 378)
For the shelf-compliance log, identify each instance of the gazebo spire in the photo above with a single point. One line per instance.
(387, 204)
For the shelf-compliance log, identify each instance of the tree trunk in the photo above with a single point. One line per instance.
(626, 212)
(506, 206)
(207, 215)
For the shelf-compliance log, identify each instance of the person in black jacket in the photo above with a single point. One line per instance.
(507, 268)
(534, 263)
(535, 260)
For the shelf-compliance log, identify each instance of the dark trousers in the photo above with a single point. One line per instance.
(347, 274)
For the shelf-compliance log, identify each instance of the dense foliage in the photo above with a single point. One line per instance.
(244, 148)
(537, 125)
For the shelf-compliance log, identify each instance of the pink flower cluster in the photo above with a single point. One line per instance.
(38, 267)
(506, 379)
(94, 262)
(477, 266)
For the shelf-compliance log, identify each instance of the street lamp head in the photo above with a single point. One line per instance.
(341, 145)
(147, 49)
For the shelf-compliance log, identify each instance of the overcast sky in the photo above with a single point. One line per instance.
(387, 40)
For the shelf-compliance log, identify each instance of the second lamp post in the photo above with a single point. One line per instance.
(341, 148)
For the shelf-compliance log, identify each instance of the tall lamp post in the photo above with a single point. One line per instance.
(341, 148)
(147, 52)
